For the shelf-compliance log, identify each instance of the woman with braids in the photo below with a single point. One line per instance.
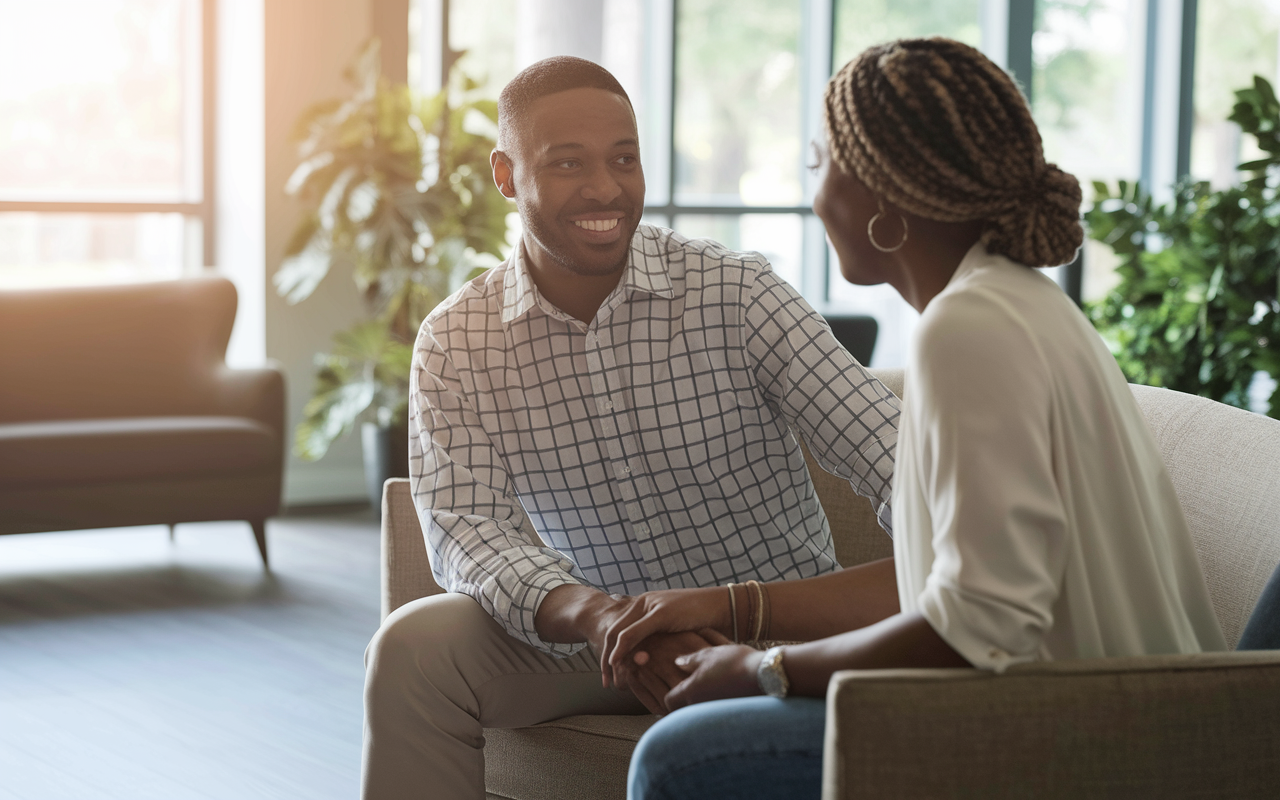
(1033, 516)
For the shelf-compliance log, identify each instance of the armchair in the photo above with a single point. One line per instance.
(1179, 726)
(116, 408)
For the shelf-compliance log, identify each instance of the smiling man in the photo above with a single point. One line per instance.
(612, 411)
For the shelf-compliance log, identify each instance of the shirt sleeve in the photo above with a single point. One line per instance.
(478, 538)
(980, 407)
(848, 418)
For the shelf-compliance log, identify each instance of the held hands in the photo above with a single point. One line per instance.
(715, 673)
(669, 611)
(651, 672)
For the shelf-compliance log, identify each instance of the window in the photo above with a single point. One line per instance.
(1087, 100)
(728, 96)
(102, 158)
(1235, 40)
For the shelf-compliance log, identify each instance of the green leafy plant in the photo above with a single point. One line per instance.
(1196, 308)
(398, 188)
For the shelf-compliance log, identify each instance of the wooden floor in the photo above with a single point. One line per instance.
(135, 668)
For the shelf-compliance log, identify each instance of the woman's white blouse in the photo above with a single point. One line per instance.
(1033, 514)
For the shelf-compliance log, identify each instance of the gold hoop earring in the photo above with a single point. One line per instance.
(871, 234)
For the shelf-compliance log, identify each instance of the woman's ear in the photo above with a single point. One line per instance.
(502, 174)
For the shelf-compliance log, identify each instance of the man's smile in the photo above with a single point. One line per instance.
(597, 224)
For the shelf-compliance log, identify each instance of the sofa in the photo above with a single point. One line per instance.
(116, 408)
(1204, 725)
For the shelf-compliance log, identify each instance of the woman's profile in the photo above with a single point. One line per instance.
(1033, 515)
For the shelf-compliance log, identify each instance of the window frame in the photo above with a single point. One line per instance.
(205, 208)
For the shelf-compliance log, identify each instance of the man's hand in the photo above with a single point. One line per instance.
(726, 670)
(576, 613)
(651, 670)
(667, 611)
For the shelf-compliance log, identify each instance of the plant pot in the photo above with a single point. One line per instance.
(386, 455)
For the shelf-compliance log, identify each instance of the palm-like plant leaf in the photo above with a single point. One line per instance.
(399, 190)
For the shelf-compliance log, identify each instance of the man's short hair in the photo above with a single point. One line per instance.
(548, 76)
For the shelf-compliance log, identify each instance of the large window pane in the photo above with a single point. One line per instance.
(100, 100)
(76, 249)
(1087, 101)
(777, 237)
(862, 23)
(1235, 40)
(738, 103)
(485, 31)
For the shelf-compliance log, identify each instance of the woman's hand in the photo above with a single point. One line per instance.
(727, 670)
(667, 611)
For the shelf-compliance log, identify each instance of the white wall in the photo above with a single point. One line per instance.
(241, 227)
(307, 44)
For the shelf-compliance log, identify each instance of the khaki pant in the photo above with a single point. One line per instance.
(437, 673)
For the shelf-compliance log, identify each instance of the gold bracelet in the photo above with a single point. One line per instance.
(768, 617)
(760, 614)
(733, 611)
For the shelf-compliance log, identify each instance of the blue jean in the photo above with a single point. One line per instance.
(1262, 631)
(754, 747)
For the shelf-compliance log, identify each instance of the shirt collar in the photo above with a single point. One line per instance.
(646, 271)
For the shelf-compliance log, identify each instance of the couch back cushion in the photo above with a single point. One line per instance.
(150, 349)
(1225, 466)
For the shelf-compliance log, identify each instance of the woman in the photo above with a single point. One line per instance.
(1032, 513)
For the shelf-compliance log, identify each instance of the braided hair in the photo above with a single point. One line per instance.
(937, 129)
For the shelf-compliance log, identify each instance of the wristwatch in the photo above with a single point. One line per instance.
(770, 674)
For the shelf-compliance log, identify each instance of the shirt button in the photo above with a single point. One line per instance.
(606, 404)
(642, 529)
(626, 470)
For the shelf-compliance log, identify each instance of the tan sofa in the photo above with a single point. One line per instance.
(1173, 726)
(116, 408)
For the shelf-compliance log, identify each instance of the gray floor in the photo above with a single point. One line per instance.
(135, 668)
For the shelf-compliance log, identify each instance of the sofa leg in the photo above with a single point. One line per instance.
(172, 530)
(260, 534)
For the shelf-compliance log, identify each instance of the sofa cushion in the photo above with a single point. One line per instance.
(99, 450)
(575, 758)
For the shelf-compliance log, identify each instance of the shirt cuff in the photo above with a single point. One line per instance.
(534, 599)
(971, 630)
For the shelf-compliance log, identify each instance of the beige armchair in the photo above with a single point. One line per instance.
(116, 408)
(1174, 726)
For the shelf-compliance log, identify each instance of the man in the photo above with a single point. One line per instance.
(634, 393)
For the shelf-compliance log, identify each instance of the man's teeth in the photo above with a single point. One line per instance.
(597, 224)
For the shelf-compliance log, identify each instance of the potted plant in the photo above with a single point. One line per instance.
(1196, 308)
(399, 188)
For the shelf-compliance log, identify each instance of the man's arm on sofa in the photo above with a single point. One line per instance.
(1203, 725)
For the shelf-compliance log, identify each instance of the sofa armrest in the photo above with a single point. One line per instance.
(1203, 725)
(254, 393)
(406, 570)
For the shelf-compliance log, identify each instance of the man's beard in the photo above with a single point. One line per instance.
(556, 246)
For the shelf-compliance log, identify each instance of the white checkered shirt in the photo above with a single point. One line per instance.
(651, 448)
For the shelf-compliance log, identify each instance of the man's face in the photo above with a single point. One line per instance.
(577, 181)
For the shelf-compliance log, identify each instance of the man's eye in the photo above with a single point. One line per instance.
(627, 160)
(567, 164)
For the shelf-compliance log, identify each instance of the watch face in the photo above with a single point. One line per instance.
(771, 676)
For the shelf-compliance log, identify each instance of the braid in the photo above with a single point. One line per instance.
(937, 129)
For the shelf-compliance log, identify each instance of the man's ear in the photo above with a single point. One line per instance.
(502, 174)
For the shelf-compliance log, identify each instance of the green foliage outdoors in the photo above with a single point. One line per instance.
(398, 189)
(1196, 308)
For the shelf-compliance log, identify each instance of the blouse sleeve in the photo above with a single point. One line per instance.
(981, 403)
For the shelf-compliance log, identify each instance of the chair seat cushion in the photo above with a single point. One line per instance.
(574, 758)
(81, 451)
